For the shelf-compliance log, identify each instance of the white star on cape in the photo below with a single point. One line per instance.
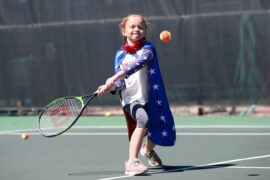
(152, 71)
(155, 86)
(164, 133)
(159, 102)
(162, 118)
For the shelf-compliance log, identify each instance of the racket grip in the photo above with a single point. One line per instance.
(96, 92)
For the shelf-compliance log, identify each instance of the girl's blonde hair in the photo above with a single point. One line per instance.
(124, 22)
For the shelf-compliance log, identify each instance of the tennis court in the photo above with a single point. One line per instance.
(208, 147)
(215, 68)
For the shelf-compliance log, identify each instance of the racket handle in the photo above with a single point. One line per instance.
(96, 92)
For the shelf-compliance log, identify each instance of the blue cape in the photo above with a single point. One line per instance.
(161, 128)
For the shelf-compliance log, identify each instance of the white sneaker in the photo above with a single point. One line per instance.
(135, 167)
(152, 157)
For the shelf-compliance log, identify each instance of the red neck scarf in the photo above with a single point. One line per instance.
(132, 49)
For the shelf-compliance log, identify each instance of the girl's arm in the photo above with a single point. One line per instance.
(138, 64)
(116, 82)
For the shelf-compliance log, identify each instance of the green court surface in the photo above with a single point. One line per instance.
(207, 147)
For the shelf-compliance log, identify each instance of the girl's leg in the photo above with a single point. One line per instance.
(149, 146)
(135, 143)
(138, 112)
(147, 151)
(134, 165)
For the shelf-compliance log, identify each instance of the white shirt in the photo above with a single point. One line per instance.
(136, 84)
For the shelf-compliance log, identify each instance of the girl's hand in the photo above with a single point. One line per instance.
(102, 90)
(110, 82)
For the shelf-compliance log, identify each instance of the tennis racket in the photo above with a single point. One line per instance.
(62, 113)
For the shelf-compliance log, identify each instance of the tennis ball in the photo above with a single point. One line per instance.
(165, 36)
(25, 136)
(107, 114)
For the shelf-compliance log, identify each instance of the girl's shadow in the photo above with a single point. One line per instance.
(151, 171)
(168, 169)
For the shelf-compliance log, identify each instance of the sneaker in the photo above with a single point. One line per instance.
(135, 167)
(152, 157)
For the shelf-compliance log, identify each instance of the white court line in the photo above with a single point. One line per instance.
(196, 167)
(223, 134)
(177, 127)
(30, 131)
(181, 127)
(125, 134)
(246, 167)
(17, 131)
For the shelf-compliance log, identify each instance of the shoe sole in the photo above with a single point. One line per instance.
(135, 173)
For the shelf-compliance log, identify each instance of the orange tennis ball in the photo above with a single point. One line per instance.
(25, 136)
(165, 36)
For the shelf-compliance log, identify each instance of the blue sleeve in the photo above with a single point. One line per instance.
(119, 85)
(140, 62)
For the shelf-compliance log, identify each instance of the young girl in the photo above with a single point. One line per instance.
(138, 80)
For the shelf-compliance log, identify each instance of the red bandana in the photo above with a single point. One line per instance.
(132, 49)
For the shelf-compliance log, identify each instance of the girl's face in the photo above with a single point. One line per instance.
(134, 29)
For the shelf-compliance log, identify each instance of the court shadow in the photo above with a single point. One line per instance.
(170, 169)
(152, 171)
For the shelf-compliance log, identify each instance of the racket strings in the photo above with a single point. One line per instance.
(59, 116)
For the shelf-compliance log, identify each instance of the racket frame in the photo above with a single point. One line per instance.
(80, 98)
